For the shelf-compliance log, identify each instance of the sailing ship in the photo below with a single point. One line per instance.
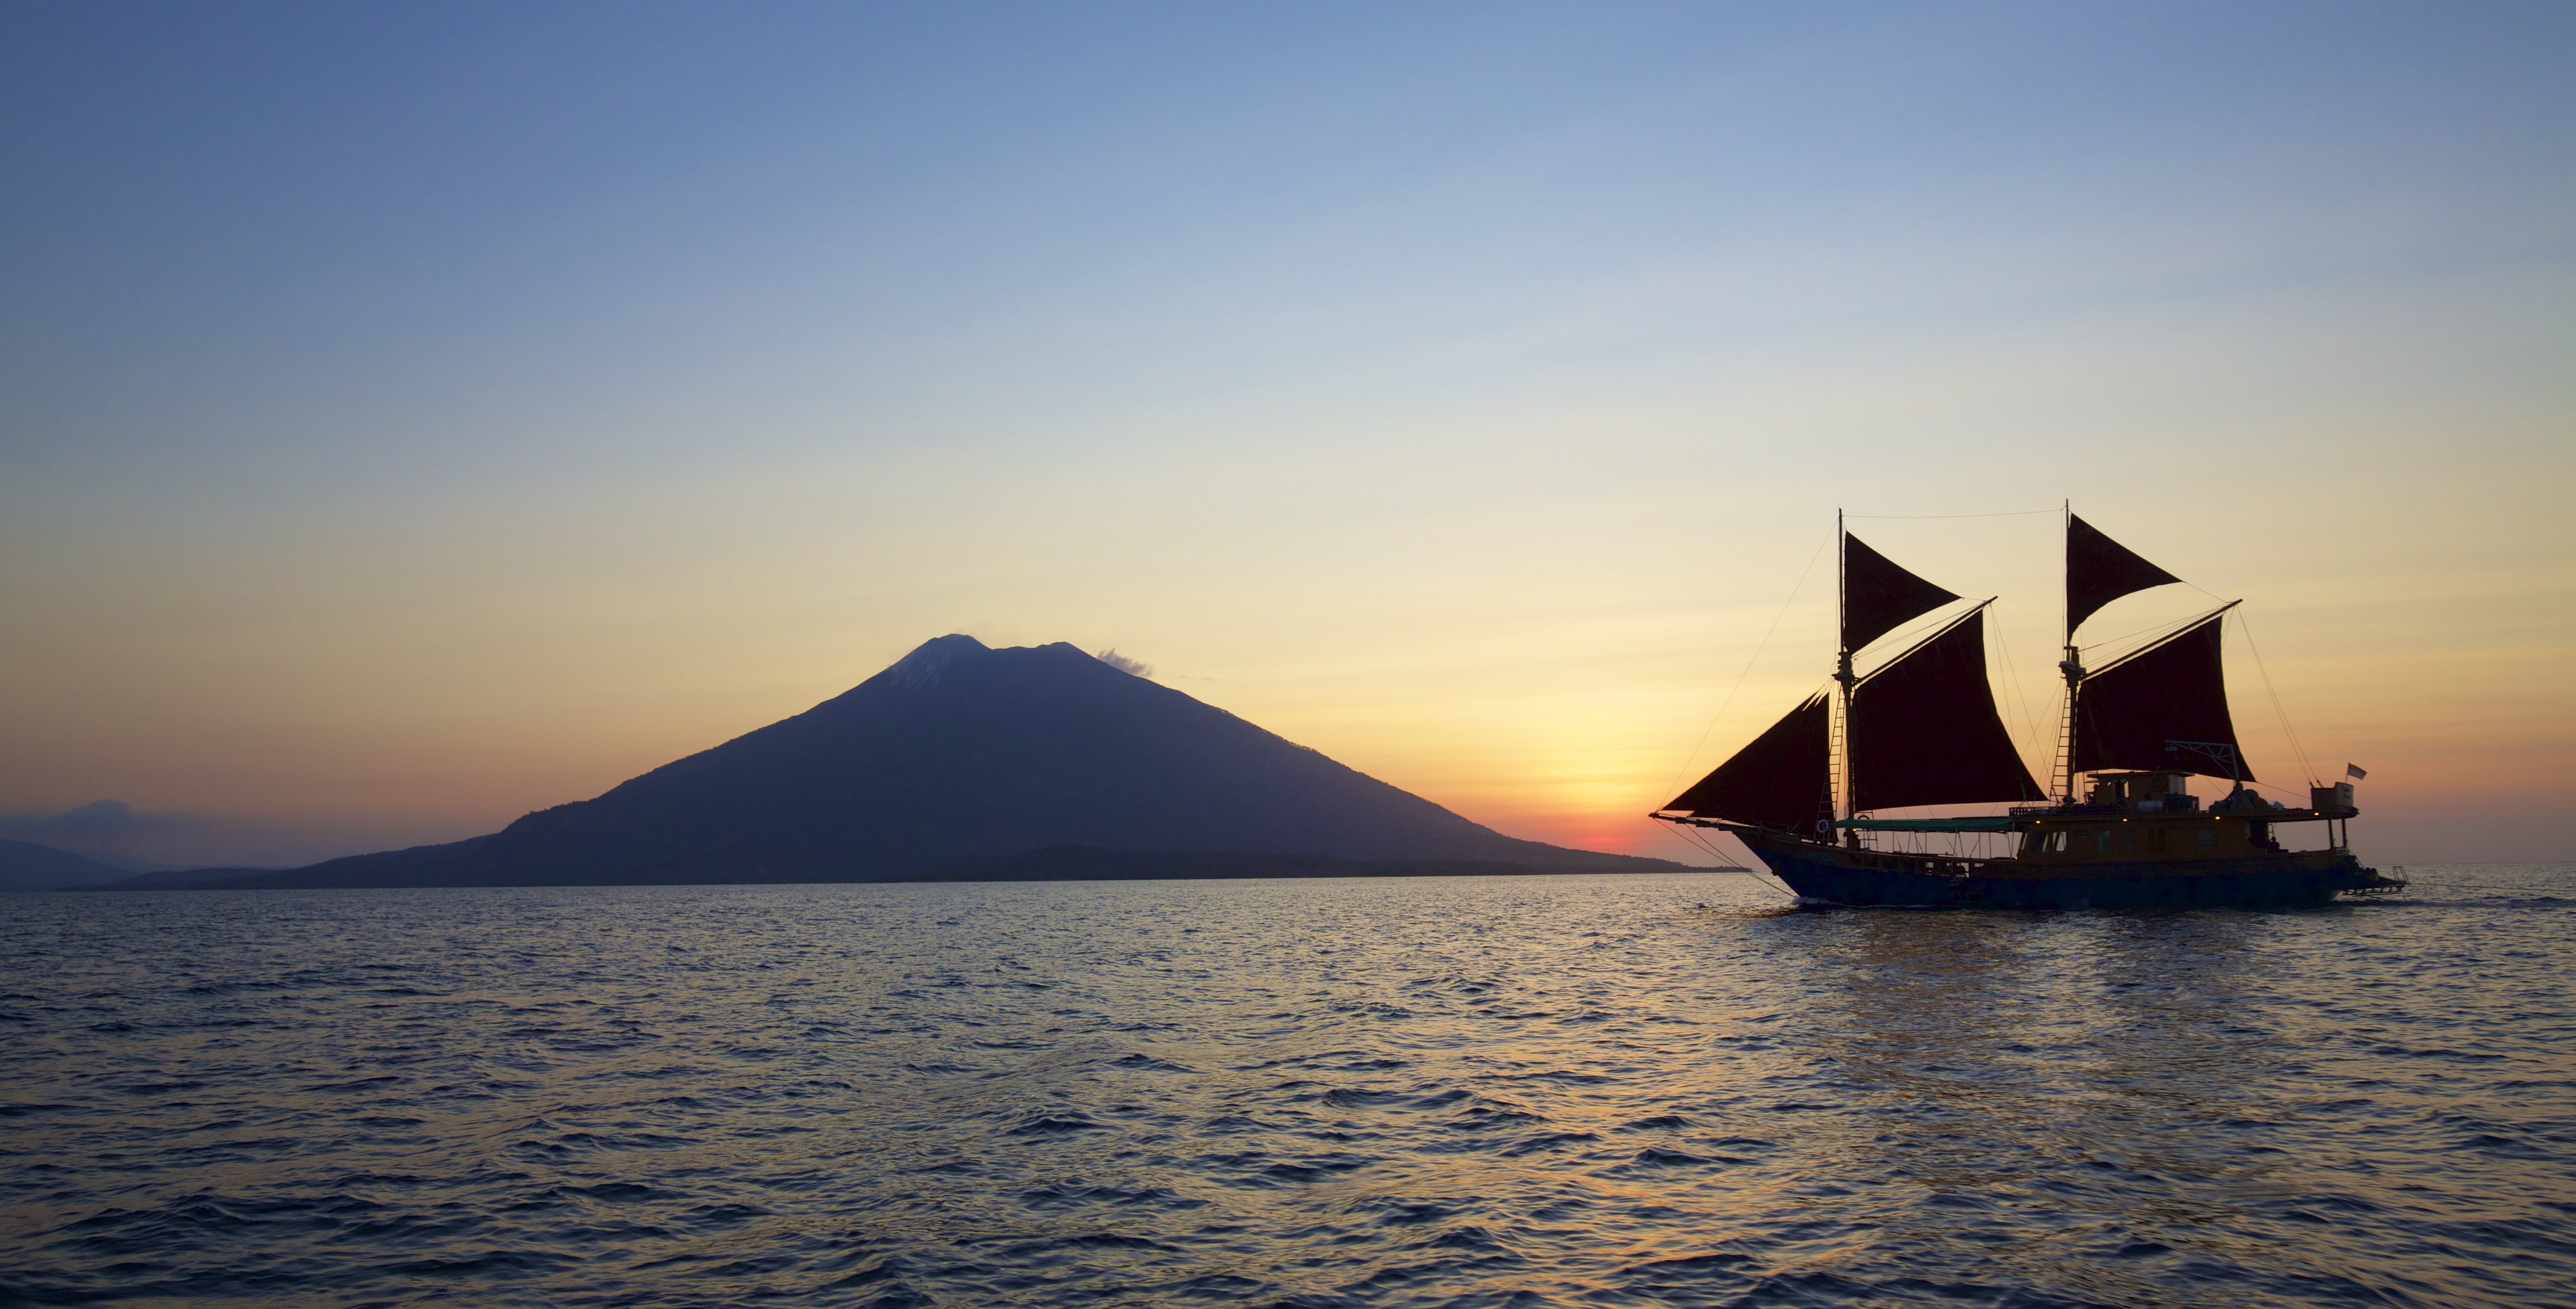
(2119, 827)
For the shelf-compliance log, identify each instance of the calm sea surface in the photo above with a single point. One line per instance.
(1541, 1091)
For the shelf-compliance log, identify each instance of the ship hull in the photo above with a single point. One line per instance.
(1831, 875)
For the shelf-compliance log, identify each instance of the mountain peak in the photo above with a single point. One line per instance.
(932, 658)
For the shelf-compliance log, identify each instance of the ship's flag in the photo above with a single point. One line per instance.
(2354, 771)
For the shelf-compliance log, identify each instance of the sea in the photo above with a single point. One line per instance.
(1598, 1090)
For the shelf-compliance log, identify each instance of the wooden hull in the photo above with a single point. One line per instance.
(1836, 875)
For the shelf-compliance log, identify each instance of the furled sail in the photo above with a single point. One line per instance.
(2100, 570)
(1924, 728)
(1777, 781)
(1878, 595)
(2127, 711)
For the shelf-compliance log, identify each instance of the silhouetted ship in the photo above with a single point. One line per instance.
(1921, 730)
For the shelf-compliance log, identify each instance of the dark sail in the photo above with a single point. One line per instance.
(1778, 781)
(2100, 570)
(1878, 595)
(1924, 729)
(2173, 690)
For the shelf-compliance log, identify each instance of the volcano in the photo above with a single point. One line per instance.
(966, 762)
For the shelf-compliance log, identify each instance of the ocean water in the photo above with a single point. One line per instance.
(1633, 1090)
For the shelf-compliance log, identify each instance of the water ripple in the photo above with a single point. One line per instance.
(1529, 1091)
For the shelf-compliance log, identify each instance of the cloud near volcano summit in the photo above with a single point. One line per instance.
(1122, 663)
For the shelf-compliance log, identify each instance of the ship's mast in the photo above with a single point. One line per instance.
(1843, 678)
(2063, 775)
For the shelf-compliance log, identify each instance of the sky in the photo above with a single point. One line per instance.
(413, 416)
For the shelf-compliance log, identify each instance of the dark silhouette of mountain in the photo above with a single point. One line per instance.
(26, 866)
(949, 764)
(96, 827)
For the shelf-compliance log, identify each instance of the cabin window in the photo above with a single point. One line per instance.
(2034, 842)
(2060, 843)
(2206, 838)
(2101, 843)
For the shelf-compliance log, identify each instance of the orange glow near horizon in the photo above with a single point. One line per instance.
(427, 463)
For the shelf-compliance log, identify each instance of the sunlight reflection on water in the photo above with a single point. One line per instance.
(1636, 1089)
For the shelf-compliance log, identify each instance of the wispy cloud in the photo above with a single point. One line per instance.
(1135, 667)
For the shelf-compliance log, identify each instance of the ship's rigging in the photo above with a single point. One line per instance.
(1923, 729)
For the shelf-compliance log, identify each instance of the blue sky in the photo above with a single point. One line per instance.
(414, 416)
